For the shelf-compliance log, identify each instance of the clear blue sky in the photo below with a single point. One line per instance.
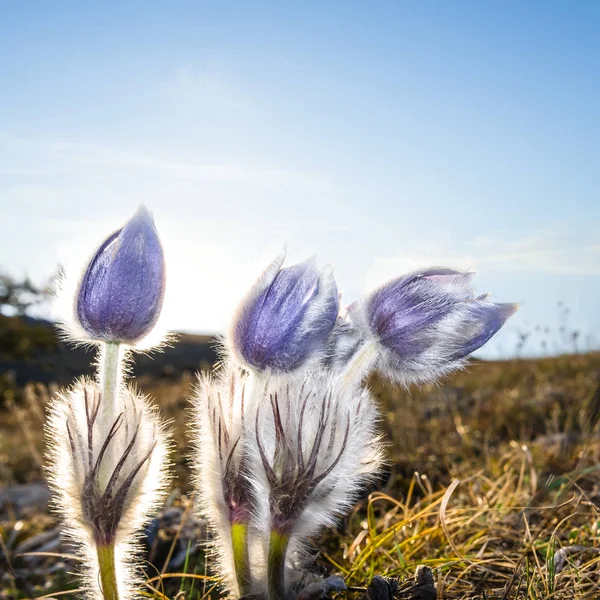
(380, 136)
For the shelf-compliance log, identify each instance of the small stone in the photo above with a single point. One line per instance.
(322, 589)
(382, 588)
(424, 587)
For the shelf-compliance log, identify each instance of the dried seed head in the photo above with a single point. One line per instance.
(107, 470)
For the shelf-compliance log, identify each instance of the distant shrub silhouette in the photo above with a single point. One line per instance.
(22, 337)
(17, 296)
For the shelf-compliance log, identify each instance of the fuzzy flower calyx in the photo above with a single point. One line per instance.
(107, 471)
(425, 324)
(286, 317)
(121, 292)
(314, 444)
(223, 406)
(312, 448)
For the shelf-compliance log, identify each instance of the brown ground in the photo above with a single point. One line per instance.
(493, 482)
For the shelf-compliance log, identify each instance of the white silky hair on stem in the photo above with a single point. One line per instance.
(223, 407)
(313, 447)
(109, 472)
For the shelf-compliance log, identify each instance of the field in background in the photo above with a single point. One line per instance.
(492, 481)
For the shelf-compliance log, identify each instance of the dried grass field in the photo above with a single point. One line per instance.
(492, 481)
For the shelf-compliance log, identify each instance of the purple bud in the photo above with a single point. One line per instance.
(427, 322)
(286, 317)
(121, 292)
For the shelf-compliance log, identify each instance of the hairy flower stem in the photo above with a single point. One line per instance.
(239, 541)
(110, 373)
(278, 544)
(108, 573)
(360, 364)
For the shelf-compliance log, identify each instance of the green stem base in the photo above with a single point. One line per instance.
(239, 542)
(278, 544)
(108, 573)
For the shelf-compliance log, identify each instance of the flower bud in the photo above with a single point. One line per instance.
(286, 317)
(121, 292)
(428, 322)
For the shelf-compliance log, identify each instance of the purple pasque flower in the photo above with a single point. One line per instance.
(121, 293)
(427, 323)
(286, 317)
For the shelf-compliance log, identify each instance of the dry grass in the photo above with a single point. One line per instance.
(493, 482)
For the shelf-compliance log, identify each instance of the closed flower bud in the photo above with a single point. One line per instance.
(121, 293)
(425, 324)
(286, 317)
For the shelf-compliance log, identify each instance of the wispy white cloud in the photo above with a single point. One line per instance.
(204, 85)
(98, 155)
(550, 252)
(23, 194)
(23, 171)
